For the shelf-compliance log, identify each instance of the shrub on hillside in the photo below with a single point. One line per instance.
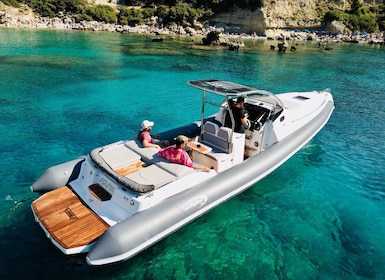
(51, 8)
(12, 3)
(83, 17)
(362, 19)
(181, 14)
(130, 16)
(381, 17)
(367, 23)
(103, 13)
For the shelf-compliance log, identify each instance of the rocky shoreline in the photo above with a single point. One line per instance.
(24, 17)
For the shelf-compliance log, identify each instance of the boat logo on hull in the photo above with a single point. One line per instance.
(195, 202)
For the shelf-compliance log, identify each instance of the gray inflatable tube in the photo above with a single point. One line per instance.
(57, 176)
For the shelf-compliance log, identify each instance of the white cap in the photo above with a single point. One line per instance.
(146, 123)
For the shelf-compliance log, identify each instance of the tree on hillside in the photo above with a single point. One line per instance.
(102, 13)
(356, 5)
(50, 8)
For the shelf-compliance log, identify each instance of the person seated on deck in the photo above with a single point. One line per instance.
(150, 140)
(178, 155)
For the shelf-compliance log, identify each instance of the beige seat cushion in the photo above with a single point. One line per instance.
(119, 157)
(152, 175)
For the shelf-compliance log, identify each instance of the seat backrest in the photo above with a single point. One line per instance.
(209, 133)
(216, 137)
(210, 127)
(225, 133)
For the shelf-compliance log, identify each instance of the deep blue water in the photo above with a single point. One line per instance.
(319, 216)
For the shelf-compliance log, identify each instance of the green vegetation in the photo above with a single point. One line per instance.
(362, 17)
(213, 5)
(12, 3)
(381, 16)
(359, 17)
(167, 11)
(51, 8)
(103, 13)
(181, 14)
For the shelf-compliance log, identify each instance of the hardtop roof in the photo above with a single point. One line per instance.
(230, 90)
(222, 87)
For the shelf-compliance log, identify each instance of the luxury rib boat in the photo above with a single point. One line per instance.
(122, 198)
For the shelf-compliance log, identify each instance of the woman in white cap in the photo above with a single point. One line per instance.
(147, 139)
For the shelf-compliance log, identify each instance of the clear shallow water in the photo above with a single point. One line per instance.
(320, 216)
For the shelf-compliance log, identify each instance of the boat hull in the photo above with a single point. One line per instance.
(139, 198)
(144, 229)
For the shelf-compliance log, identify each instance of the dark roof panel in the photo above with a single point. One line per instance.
(221, 87)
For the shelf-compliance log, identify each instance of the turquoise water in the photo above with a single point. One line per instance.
(319, 216)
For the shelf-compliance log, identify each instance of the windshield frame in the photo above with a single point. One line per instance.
(232, 90)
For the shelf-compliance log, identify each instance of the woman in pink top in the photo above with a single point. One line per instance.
(178, 155)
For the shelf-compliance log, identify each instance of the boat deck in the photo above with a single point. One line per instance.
(70, 223)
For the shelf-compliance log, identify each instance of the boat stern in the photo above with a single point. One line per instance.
(67, 222)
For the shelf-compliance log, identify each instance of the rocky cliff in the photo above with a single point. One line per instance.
(281, 14)
(275, 14)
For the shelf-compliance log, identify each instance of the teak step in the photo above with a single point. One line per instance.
(70, 223)
(124, 171)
